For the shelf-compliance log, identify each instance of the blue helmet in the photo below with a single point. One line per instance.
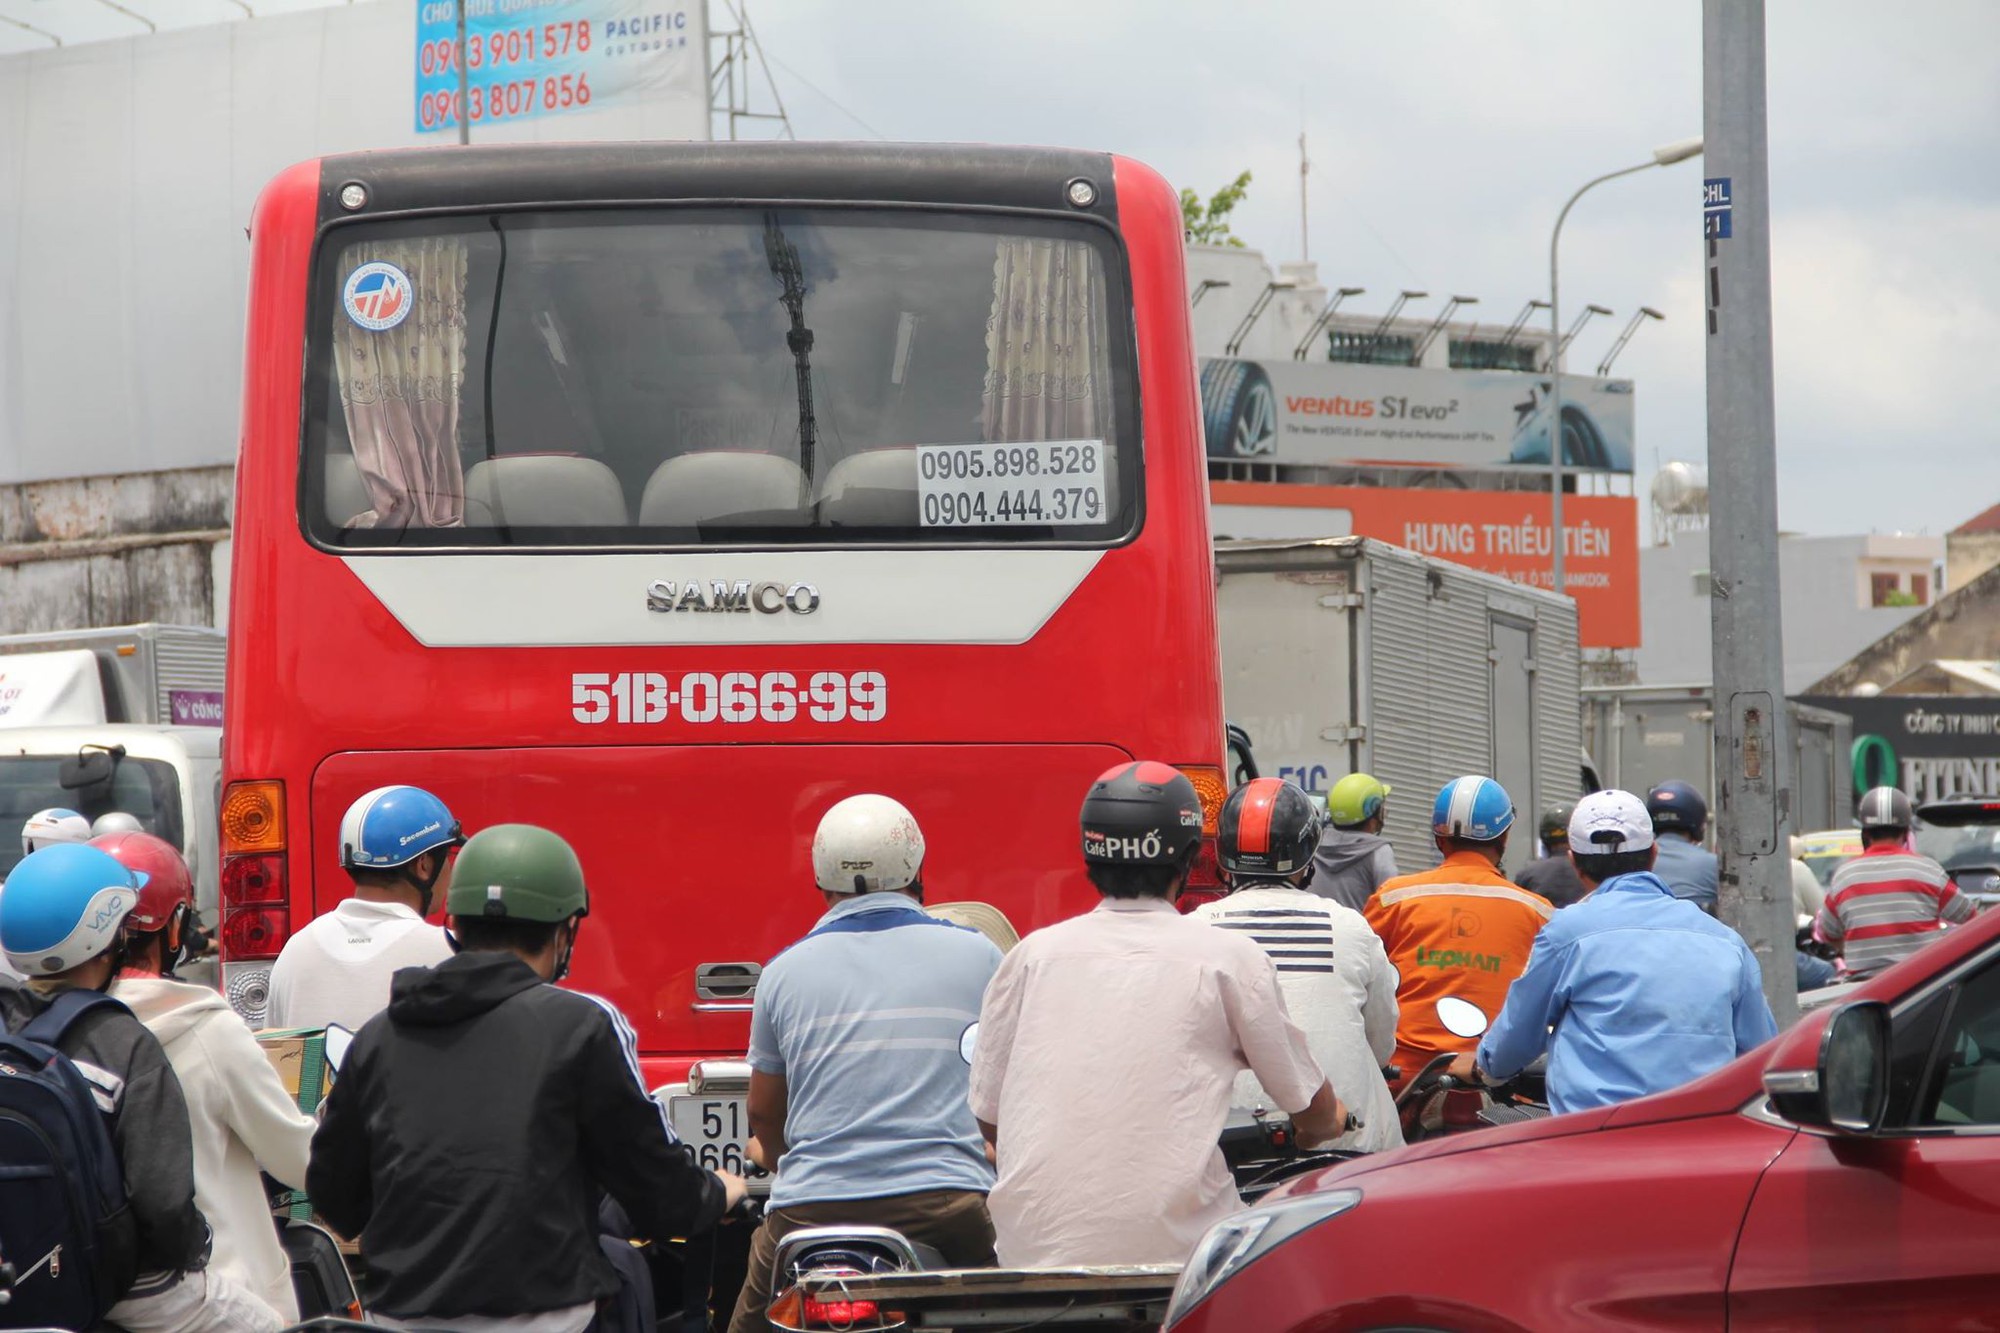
(393, 826)
(63, 906)
(1472, 809)
(1677, 807)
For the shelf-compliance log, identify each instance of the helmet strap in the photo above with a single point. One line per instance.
(119, 953)
(425, 885)
(565, 948)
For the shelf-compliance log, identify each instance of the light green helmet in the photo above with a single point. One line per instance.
(517, 872)
(1355, 799)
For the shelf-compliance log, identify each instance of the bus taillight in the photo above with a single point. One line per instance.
(256, 907)
(1204, 882)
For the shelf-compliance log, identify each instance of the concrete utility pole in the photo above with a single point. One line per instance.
(1753, 761)
(464, 98)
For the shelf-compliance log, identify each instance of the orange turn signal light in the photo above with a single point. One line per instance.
(253, 817)
(1213, 788)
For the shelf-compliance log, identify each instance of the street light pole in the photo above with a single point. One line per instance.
(1663, 156)
(464, 101)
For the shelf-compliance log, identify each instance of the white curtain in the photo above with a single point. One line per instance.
(400, 389)
(1048, 373)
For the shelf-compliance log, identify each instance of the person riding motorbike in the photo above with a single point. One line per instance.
(857, 1073)
(1680, 820)
(64, 924)
(1460, 930)
(478, 1120)
(1354, 858)
(1890, 901)
(51, 828)
(1631, 991)
(1109, 1045)
(1335, 978)
(394, 844)
(1552, 875)
(241, 1118)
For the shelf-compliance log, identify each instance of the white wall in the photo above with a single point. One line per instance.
(128, 170)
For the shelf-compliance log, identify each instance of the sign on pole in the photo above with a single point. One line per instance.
(532, 58)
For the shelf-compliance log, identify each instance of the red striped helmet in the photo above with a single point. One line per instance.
(1270, 829)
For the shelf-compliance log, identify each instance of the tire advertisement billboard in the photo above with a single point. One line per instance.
(1933, 747)
(1341, 413)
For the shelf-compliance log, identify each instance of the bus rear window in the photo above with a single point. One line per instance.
(696, 377)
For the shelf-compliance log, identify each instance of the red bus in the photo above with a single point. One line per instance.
(665, 494)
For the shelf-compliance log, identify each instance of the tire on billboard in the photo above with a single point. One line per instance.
(1239, 410)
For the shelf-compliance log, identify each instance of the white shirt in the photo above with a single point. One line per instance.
(241, 1118)
(337, 969)
(1108, 1045)
(1340, 988)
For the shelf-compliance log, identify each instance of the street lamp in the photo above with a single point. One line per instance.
(1271, 289)
(1664, 156)
(1592, 309)
(1324, 318)
(1644, 312)
(1207, 285)
(1437, 326)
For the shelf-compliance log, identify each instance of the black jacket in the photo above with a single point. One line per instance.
(129, 1075)
(1554, 878)
(469, 1134)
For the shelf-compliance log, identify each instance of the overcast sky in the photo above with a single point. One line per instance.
(1445, 137)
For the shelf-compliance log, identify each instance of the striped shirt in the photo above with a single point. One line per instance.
(1887, 903)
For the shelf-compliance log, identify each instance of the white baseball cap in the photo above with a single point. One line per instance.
(1608, 822)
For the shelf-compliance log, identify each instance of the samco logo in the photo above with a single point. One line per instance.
(1483, 962)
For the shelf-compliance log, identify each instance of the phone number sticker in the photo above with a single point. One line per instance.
(1053, 483)
(651, 697)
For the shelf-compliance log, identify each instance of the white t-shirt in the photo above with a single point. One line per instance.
(1339, 987)
(337, 969)
(1108, 1046)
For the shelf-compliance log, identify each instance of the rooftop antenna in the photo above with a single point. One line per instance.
(1305, 166)
(729, 91)
(1324, 318)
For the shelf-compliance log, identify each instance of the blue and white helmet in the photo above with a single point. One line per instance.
(63, 906)
(393, 826)
(49, 828)
(1472, 809)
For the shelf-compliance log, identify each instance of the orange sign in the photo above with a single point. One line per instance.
(1504, 532)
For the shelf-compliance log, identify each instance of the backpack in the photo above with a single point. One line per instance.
(67, 1238)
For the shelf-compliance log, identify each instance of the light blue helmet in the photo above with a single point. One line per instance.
(393, 826)
(1472, 809)
(63, 906)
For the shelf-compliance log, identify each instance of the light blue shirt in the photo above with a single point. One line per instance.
(1644, 993)
(1688, 869)
(865, 1019)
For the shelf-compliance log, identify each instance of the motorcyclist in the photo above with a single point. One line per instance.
(51, 827)
(1462, 930)
(241, 1118)
(1354, 858)
(858, 1073)
(394, 844)
(1335, 978)
(1552, 875)
(1641, 991)
(63, 923)
(1891, 900)
(1680, 820)
(478, 1120)
(1109, 1045)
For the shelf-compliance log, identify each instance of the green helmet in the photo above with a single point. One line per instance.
(1355, 799)
(518, 872)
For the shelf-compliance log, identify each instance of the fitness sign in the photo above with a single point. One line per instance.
(1335, 412)
(1931, 747)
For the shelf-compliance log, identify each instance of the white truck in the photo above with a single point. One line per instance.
(123, 719)
(1347, 654)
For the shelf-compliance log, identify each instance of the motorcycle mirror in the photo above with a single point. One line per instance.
(1461, 1018)
(338, 1039)
(967, 1041)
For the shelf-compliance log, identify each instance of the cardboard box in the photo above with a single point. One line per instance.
(299, 1056)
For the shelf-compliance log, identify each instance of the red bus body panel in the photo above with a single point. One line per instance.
(697, 851)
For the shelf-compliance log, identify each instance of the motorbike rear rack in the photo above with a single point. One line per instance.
(982, 1297)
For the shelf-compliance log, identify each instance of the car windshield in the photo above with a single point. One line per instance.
(1961, 848)
(697, 377)
(147, 789)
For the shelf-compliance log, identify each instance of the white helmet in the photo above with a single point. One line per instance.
(867, 844)
(46, 828)
(118, 821)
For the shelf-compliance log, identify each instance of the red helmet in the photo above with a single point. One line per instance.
(168, 884)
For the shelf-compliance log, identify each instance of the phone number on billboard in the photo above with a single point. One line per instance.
(728, 696)
(1053, 483)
